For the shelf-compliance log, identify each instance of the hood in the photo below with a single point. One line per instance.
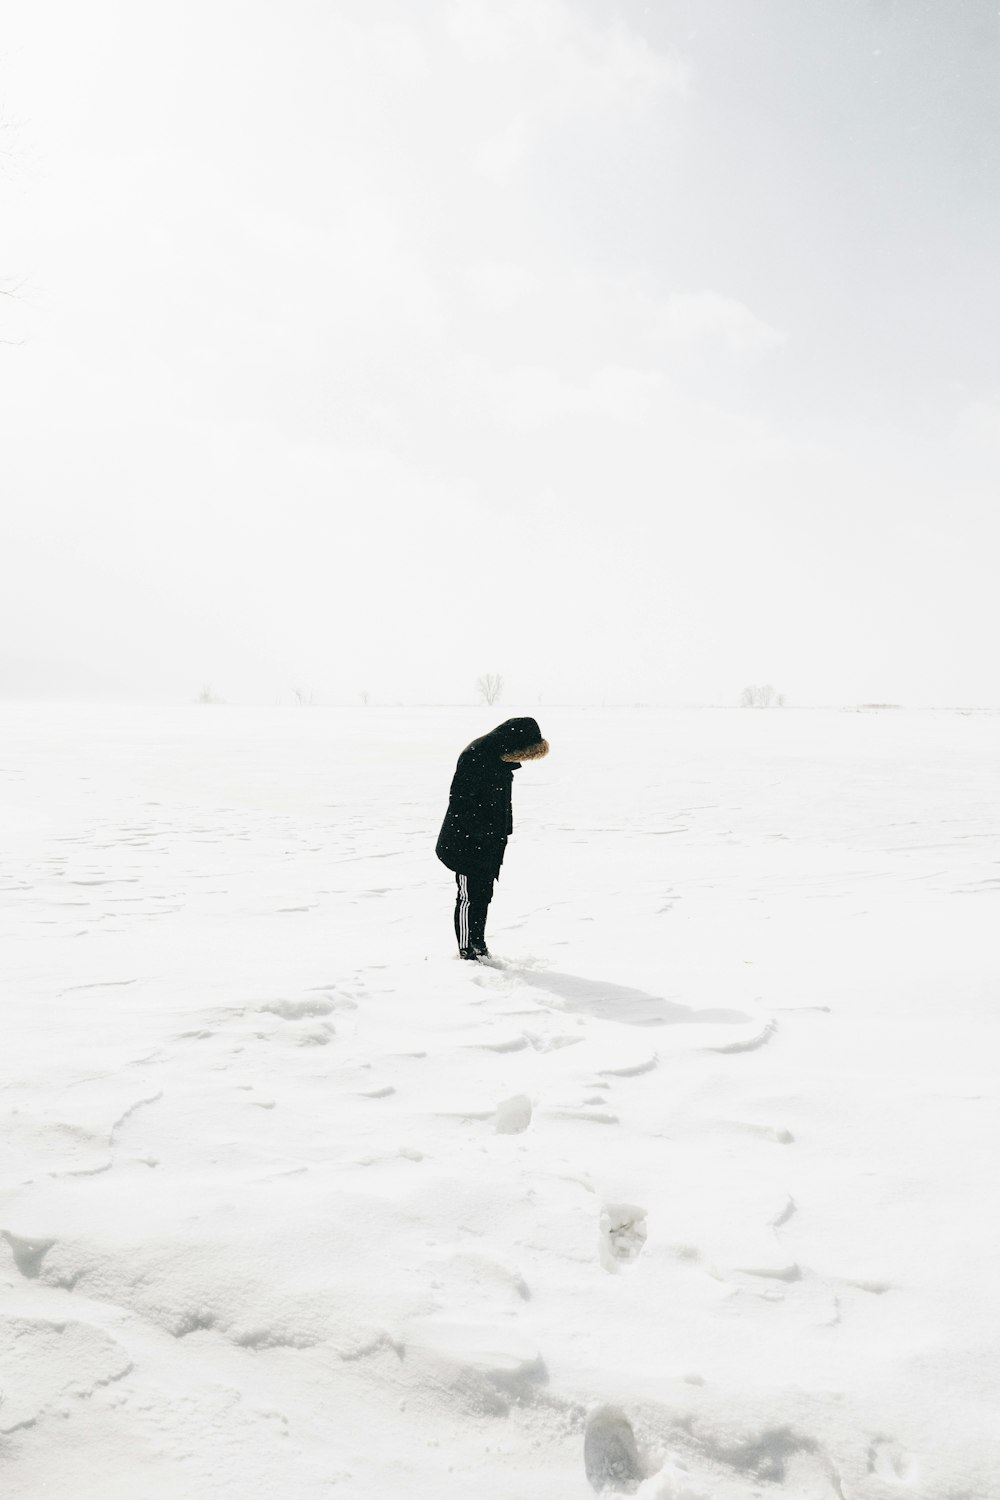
(520, 739)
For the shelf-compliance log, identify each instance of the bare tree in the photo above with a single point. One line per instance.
(207, 696)
(363, 695)
(489, 686)
(302, 698)
(758, 695)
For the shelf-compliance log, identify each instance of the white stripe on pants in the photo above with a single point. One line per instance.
(463, 911)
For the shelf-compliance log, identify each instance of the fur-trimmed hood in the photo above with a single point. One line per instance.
(514, 741)
(530, 752)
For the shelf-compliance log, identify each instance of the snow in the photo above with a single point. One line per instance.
(692, 1196)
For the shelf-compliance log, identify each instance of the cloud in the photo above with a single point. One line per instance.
(499, 156)
(573, 62)
(499, 285)
(689, 319)
(555, 64)
(534, 396)
(561, 313)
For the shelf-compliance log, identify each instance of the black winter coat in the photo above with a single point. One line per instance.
(479, 820)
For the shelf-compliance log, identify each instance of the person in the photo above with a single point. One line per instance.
(479, 822)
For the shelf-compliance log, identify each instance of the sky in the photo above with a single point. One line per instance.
(633, 351)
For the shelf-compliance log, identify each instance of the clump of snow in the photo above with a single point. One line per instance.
(514, 1115)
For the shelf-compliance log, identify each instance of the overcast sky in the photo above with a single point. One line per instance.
(632, 350)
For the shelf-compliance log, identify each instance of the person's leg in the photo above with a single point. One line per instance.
(481, 893)
(462, 906)
(471, 904)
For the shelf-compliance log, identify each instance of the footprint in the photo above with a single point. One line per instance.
(297, 1010)
(592, 1116)
(500, 1044)
(760, 1038)
(610, 1455)
(622, 1234)
(889, 1461)
(314, 1036)
(632, 1069)
(46, 1363)
(513, 1115)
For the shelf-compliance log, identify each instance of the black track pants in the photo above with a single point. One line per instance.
(471, 905)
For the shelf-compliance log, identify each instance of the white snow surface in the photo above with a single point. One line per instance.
(692, 1197)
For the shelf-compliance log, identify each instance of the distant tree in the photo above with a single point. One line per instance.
(758, 696)
(207, 696)
(489, 687)
(363, 695)
(302, 698)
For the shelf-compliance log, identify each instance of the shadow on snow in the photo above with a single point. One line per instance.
(619, 1002)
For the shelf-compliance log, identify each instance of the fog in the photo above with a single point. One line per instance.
(634, 351)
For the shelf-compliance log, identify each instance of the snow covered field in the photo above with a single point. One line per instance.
(695, 1197)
